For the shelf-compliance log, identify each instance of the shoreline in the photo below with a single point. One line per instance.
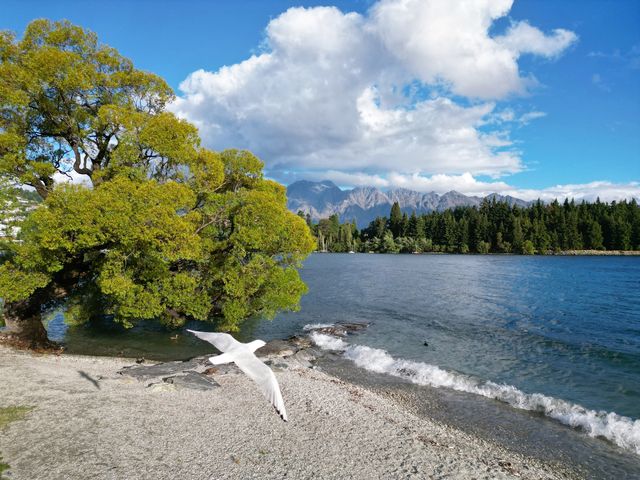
(114, 426)
(529, 433)
(562, 253)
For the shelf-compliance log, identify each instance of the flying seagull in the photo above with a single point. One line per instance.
(243, 356)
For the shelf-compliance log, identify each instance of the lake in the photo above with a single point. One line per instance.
(550, 334)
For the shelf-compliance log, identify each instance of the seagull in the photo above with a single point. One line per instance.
(242, 355)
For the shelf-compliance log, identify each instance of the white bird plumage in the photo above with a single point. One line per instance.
(242, 355)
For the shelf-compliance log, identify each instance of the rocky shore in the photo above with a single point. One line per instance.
(112, 418)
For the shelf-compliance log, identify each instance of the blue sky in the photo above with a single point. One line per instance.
(385, 98)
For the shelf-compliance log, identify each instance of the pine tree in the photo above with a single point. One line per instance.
(395, 220)
(518, 236)
(593, 239)
(412, 228)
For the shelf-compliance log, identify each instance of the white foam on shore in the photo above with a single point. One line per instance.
(328, 342)
(621, 430)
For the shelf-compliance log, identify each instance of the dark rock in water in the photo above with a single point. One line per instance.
(353, 326)
(333, 330)
(341, 329)
(277, 348)
(192, 380)
(426, 344)
(148, 372)
(300, 342)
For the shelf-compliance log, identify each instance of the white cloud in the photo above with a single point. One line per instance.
(464, 183)
(72, 177)
(345, 92)
(526, 118)
(523, 38)
(509, 116)
(469, 185)
(606, 191)
(449, 42)
(354, 179)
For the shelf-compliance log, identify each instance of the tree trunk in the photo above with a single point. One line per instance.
(23, 320)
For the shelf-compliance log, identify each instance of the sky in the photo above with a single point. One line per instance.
(532, 98)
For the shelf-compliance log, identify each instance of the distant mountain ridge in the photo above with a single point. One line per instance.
(364, 204)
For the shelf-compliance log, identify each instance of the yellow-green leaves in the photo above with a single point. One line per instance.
(207, 172)
(172, 139)
(242, 169)
(17, 284)
(168, 229)
(120, 219)
(70, 99)
(264, 224)
(254, 250)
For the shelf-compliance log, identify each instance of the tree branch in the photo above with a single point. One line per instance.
(77, 165)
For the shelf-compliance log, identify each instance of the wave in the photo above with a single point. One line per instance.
(621, 430)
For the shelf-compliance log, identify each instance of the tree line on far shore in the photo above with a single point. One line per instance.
(493, 227)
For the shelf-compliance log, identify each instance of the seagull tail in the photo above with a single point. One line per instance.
(282, 413)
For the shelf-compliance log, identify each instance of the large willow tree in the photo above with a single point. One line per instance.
(164, 229)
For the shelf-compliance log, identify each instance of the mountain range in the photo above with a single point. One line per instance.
(364, 204)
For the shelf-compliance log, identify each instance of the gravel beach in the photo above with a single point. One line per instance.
(91, 422)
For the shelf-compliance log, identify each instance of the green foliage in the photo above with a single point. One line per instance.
(67, 101)
(8, 415)
(388, 243)
(395, 220)
(332, 236)
(12, 414)
(168, 230)
(483, 247)
(528, 248)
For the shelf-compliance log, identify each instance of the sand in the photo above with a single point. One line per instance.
(89, 422)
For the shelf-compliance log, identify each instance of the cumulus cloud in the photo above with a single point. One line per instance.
(449, 42)
(373, 94)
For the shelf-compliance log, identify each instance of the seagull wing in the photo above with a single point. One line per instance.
(264, 377)
(222, 341)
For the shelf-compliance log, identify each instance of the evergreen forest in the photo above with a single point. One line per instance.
(492, 227)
